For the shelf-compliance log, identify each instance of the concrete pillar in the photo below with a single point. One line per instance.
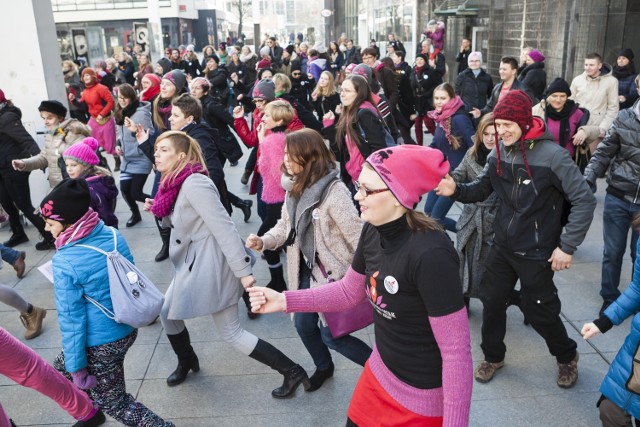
(36, 73)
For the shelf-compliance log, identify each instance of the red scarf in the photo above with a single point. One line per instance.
(79, 230)
(168, 192)
(443, 118)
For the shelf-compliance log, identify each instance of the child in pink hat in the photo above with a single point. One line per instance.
(82, 162)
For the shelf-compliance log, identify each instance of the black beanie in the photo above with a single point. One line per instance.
(67, 202)
(627, 53)
(296, 66)
(53, 107)
(558, 85)
(289, 49)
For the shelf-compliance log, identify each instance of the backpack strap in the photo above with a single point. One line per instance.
(115, 244)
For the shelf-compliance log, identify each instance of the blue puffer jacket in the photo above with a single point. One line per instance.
(614, 383)
(78, 271)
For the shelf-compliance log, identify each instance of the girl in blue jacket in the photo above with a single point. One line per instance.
(94, 346)
(620, 388)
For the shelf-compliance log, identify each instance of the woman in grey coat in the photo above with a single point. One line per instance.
(475, 225)
(131, 114)
(212, 266)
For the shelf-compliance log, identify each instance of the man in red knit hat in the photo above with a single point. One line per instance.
(533, 177)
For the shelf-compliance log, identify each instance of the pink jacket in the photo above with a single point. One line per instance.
(269, 162)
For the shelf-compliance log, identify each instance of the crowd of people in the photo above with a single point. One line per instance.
(337, 178)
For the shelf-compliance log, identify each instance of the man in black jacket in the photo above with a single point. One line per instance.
(17, 143)
(463, 55)
(619, 154)
(508, 70)
(532, 177)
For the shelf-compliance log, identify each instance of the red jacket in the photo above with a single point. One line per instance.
(98, 100)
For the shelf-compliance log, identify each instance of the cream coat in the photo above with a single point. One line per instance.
(54, 145)
(600, 97)
(337, 232)
(206, 250)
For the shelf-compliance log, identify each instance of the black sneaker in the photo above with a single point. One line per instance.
(46, 245)
(16, 239)
(97, 420)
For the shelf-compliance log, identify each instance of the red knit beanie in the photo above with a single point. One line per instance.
(409, 171)
(515, 106)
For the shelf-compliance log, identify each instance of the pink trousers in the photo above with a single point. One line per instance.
(24, 366)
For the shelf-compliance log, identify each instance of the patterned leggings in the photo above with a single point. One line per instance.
(106, 362)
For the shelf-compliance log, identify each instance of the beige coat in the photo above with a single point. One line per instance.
(68, 133)
(600, 97)
(337, 228)
(206, 250)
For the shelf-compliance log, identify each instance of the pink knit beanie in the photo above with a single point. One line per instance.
(409, 171)
(536, 55)
(83, 152)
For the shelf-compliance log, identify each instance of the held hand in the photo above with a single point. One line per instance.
(446, 187)
(579, 137)
(248, 281)
(589, 330)
(17, 164)
(339, 109)
(254, 242)
(99, 118)
(265, 300)
(560, 260)
(238, 112)
(475, 113)
(148, 203)
(83, 380)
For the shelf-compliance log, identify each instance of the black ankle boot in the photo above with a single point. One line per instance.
(97, 420)
(294, 374)
(245, 176)
(277, 282)
(165, 235)
(245, 207)
(135, 218)
(320, 376)
(187, 359)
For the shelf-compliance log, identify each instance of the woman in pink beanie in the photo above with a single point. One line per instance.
(420, 370)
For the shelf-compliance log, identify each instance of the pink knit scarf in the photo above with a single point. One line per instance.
(169, 188)
(443, 118)
(79, 230)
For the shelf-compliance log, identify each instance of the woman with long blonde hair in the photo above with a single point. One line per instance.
(325, 97)
(212, 267)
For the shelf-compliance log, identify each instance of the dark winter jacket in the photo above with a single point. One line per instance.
(323, 104)
(389, 81)
(627, 88)
(462, 128)
(423, 83)
(218, 117)
(474, 91)
(15, 141)
(528, 222)
(304, 113)
(208, 138)
(127, 69)
(352, 56)
(535, 78)
(406, 104)
(463, 60)
(495, 95)
(301, 90)
(193, 68)
(619, 153)
(218, 81)
(104, 193)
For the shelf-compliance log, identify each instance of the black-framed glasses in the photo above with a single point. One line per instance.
(365, 192)
(259, 101)
(296, 73)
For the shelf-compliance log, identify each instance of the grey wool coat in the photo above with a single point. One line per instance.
(475, 229)
(206, 250)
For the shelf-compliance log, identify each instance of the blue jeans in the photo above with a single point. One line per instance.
(9, 255)
(437, 208)
(616, 222)
(317, 338)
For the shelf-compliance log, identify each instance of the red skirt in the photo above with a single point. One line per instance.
(371, 405)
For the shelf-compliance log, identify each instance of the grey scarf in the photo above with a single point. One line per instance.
(301, 214)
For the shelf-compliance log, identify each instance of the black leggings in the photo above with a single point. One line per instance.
(273, 215)
(15, 194)
(132, 190)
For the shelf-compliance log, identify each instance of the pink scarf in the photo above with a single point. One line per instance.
(79, 230)
(169, 189)
(443, 118)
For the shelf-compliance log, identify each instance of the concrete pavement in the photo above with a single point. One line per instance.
(234, 390)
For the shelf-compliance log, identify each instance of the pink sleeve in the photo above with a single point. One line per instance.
(327, 122)
(454, 341)
(336, 296)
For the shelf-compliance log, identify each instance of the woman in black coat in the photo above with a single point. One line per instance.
(423, 81)
(533, 74)
(474, 84)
